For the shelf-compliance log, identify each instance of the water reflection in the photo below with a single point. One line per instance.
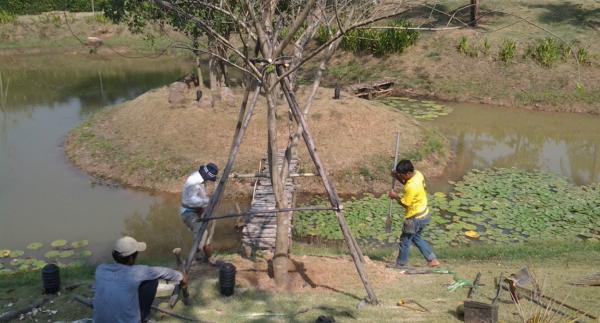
(482, 137)
(42, 196)
(161, 227)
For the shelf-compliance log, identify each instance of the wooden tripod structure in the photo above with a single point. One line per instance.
(246, 111)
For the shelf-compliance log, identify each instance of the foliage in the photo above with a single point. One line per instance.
(508, 50)
(583, 56)
(28, 7)
(15, 261)
(501, 205)
(464, 47)
(7, 17)
(380, 42)
(548, 51)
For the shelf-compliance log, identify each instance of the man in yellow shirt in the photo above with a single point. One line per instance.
(417, 216)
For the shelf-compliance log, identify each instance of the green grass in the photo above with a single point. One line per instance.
(433, 144)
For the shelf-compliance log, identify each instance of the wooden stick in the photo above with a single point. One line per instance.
(329, 187)
(388, 221)
(265, 175)
(11, 315)
(561, 303)
(88, 302)
(216, 198)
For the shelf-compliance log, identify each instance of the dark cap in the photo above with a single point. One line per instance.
(209, 172)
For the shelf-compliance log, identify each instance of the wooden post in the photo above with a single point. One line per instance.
(474, 13)
(245, 115)
(329, 187)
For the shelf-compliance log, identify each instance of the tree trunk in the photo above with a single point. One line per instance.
(282, 239)
(474, 12)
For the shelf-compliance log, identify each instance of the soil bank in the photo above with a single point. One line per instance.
(149, 143)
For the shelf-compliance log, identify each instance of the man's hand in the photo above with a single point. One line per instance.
(184, 281)
(393, 195)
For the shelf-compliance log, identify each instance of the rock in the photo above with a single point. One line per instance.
(227, 95)
(177, 92)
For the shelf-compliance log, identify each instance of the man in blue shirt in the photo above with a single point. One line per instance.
(125, 291)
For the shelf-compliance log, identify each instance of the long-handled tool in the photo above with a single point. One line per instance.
(419, 308)
(388, 221)
(179, 289)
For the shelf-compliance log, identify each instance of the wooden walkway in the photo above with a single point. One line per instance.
(259, 230)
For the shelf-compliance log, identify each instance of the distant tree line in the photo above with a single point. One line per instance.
(29, 7)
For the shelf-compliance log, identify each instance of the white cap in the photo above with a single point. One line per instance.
(126, 246)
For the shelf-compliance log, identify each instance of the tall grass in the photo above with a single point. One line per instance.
(3, 93)
(508, 50)
(379, 42)
(7, 17)
(548, 51)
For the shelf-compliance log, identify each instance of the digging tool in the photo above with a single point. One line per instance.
(179, 288)
(474, 286)
(388, 221)
(405, 302)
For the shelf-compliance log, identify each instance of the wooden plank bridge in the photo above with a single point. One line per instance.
(260, 229)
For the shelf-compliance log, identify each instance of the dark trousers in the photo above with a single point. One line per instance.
(147, 292)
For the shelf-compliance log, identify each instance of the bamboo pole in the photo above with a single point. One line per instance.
(329, 187)
(388, 221)
(240, 131)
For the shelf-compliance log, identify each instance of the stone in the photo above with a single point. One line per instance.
(177, 92)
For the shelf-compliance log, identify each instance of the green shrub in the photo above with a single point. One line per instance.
(464, 47)
(486, 47)
(6, 17)
(583, 56)
(508, 50)
(379, 42)
(548, 51)
(322, 36)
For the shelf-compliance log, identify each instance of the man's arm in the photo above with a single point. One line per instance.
(152, 273)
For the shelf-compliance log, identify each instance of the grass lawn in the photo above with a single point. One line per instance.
(324, 282)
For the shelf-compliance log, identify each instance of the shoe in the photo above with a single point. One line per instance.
(434, 263)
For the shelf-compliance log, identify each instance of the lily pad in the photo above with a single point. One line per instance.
(35, 246)
(86, 254)
(5, 271)
(52, 254)
(79, 243)
(58, 243)
(4, 253)
(472, 234)
(16, 253)
(66, 254)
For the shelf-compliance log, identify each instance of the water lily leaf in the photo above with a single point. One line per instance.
(16, 253)
(4, 253)
(24, 267)
(67, 254)
(52, 254)
(34, 246)
(5, 271)
(79, 244)
(58, 243)
(86, 254)
(472, 234)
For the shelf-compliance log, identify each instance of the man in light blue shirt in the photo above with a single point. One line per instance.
(194, 201)
(125, 291)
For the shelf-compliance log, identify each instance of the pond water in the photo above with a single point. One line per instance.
(42, 196)
(481, 137)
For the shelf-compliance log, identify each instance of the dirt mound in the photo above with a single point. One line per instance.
(306, 274)
(149, 143)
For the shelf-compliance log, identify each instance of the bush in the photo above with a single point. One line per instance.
(508, 50)
(378, 42)
(548, 51)
(29, 7)
(6, 18)
(583, 56)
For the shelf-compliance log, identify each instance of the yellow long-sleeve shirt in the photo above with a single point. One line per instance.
(415, 196)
